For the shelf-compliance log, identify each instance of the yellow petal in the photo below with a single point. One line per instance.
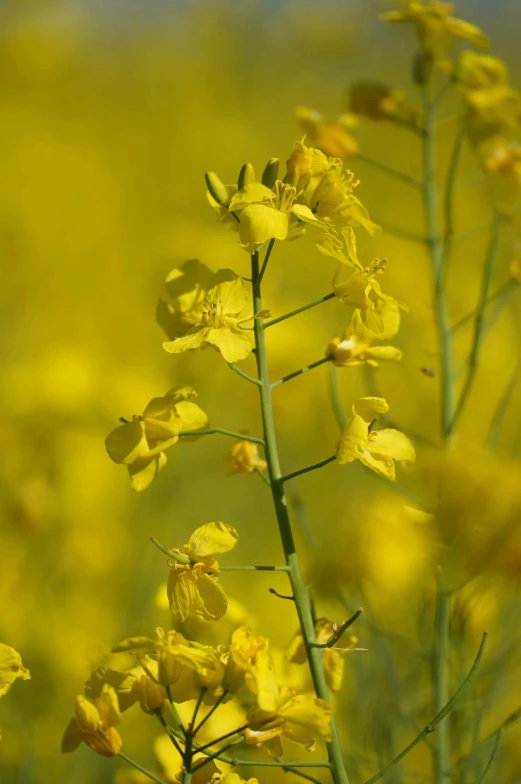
(370, 408)
(72, 737)
(144, 470)
(212, 601)
(393, 443)
(303, 213)
(192, 417)
(381, 464)
(384, 352)
(468, 32)
(260, 223)
(181, 593)
(210, 539)
(108, 706)
(253, 193)
(87, 714)
(306, 718)
(192, 340)
(352, 442)
(228, 290)
(11, 668)
(330, 245)
(127, 442)
(233, 345)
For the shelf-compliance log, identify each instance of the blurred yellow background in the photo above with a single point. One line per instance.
(111, 114)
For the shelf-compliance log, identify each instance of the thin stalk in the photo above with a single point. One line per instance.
(441, 681)
(174, 711)
(263, 764)
(432, 725)
(448, 202)
(307, 469)
(301, 371)
(241, 373)
(295, 312)
(139, 767)
(168, 731)
(412, 181)
(266, 259)
(175, 556)
(200, 699)
(340, 631)
(512, 718)
(298, 586)
(210, 712)
(479, 317)
(211, 431)
(437, 252)
(498, 419)
(223, 737)
(336, 398)
(262, 476)
(217, 754)
(491, 758)
(250, 568)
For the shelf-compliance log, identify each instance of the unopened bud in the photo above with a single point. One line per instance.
(216, 188)
(270, 173)
(246, 176)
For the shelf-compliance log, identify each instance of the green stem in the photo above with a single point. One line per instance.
(437, 719)
(498, 419)
(196, 711)
(298, 586)
(512, 718)
(307, 469)
(139, 767)
(179, 557)
(223, 737)
(217, 754)
(441, 680)
(263, 764)
(210, 712)
(448, 204)
(241, 373)
(479, 317)
(437, 252)
(508, 286)
(211, 431)
(389, 170)
(297, 311)
(301, 371)
(266, 259)
(250, 568)
(169, 732)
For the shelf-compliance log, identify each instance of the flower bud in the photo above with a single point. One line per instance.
(216, 188)
(270, 173)
(246, 176)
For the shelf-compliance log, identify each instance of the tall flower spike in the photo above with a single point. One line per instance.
(94, 723)
(376, 449)
(193, 588)
(140, 444)
(220, 323)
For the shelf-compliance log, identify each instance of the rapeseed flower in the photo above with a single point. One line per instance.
(249, 662)
(192, 586)
(219, 324)
(332, 658)
(140, 444)
(436, 27)
(11, 668)
(93, 724)
(332, 138)
(301, 718)
(381, 102)
(244, 458)
(172, 661)
(354, 347)
(376, 449)
(180, 306)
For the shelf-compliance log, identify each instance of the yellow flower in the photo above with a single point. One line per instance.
(11, 668)
(381, 102)
(244, 458)
(219, 325)
(330, 199)
(515, 269)
(250, 663)
(171, 660)
(361, 290)
(180, 307)
(436, 27)
(332, 138)
(140, 444)
(354, 347)
(301, 718)
(93, 724)
(265, 213)
(503, 158)
(192, 587)
(376, 449)
(332, 658)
